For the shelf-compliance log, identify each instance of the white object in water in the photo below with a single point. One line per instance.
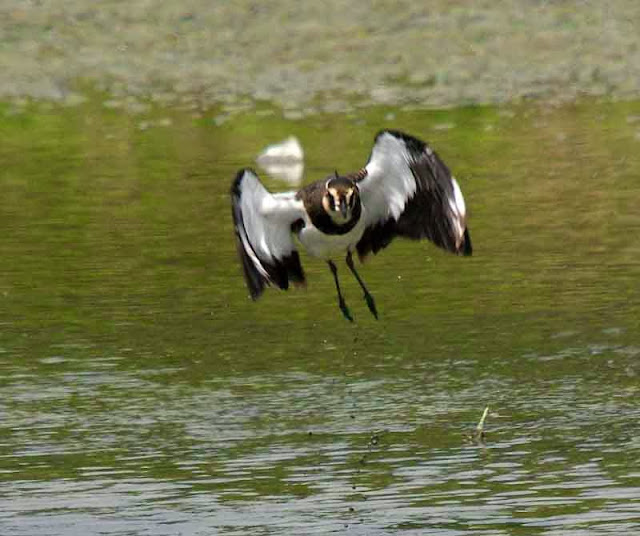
(284, 160)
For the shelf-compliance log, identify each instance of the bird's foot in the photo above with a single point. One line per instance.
(345, 310)
(371, 304)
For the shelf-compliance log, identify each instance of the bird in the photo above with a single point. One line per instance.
(404, 190)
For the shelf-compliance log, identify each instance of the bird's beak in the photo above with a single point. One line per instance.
(343, 207)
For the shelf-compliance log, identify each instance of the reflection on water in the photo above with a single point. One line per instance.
(283, 160)
(143, 394)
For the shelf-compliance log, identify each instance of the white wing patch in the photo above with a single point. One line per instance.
(389, 183)
(267, 218)
(457, 204)
(458, 210)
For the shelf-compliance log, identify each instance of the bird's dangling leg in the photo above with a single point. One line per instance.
(367, 295)
(341, 303)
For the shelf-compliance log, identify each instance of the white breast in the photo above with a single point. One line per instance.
(327, 246)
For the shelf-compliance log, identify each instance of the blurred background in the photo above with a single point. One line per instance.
(142, 392)
(327, 57)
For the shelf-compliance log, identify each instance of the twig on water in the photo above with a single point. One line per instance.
(480, 428)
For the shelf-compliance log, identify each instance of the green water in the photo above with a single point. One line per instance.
(142, 392)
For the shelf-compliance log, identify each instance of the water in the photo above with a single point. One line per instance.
(143, 393)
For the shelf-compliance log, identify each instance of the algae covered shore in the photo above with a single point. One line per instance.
(318, 57)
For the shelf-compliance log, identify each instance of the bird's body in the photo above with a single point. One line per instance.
(321, 236)
(404, 190)
(328, 246)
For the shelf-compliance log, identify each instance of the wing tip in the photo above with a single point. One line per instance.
(411, 142)
(237, 181)
(466, 248)
(280, 273)
(254, 279)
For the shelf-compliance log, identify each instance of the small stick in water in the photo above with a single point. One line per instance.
(480, 427)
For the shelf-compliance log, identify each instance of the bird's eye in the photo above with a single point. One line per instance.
(332, 202)
(350, 198)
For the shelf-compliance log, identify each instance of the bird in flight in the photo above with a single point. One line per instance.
(405, 190)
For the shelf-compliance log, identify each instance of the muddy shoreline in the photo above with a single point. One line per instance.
(320, 57)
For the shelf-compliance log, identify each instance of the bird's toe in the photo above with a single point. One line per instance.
(371, 304)
(345, 311)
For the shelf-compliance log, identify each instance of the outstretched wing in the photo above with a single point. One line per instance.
(263, 229)
(407, 190)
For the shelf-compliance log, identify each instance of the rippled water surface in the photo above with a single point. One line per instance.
(143, 393)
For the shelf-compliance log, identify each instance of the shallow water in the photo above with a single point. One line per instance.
(143, 393)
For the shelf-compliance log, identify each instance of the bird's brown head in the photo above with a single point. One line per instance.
(341, 200)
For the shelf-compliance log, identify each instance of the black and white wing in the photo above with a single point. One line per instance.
(263, 229)
(407, 190)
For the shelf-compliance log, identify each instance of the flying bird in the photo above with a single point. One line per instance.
(405, 190)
